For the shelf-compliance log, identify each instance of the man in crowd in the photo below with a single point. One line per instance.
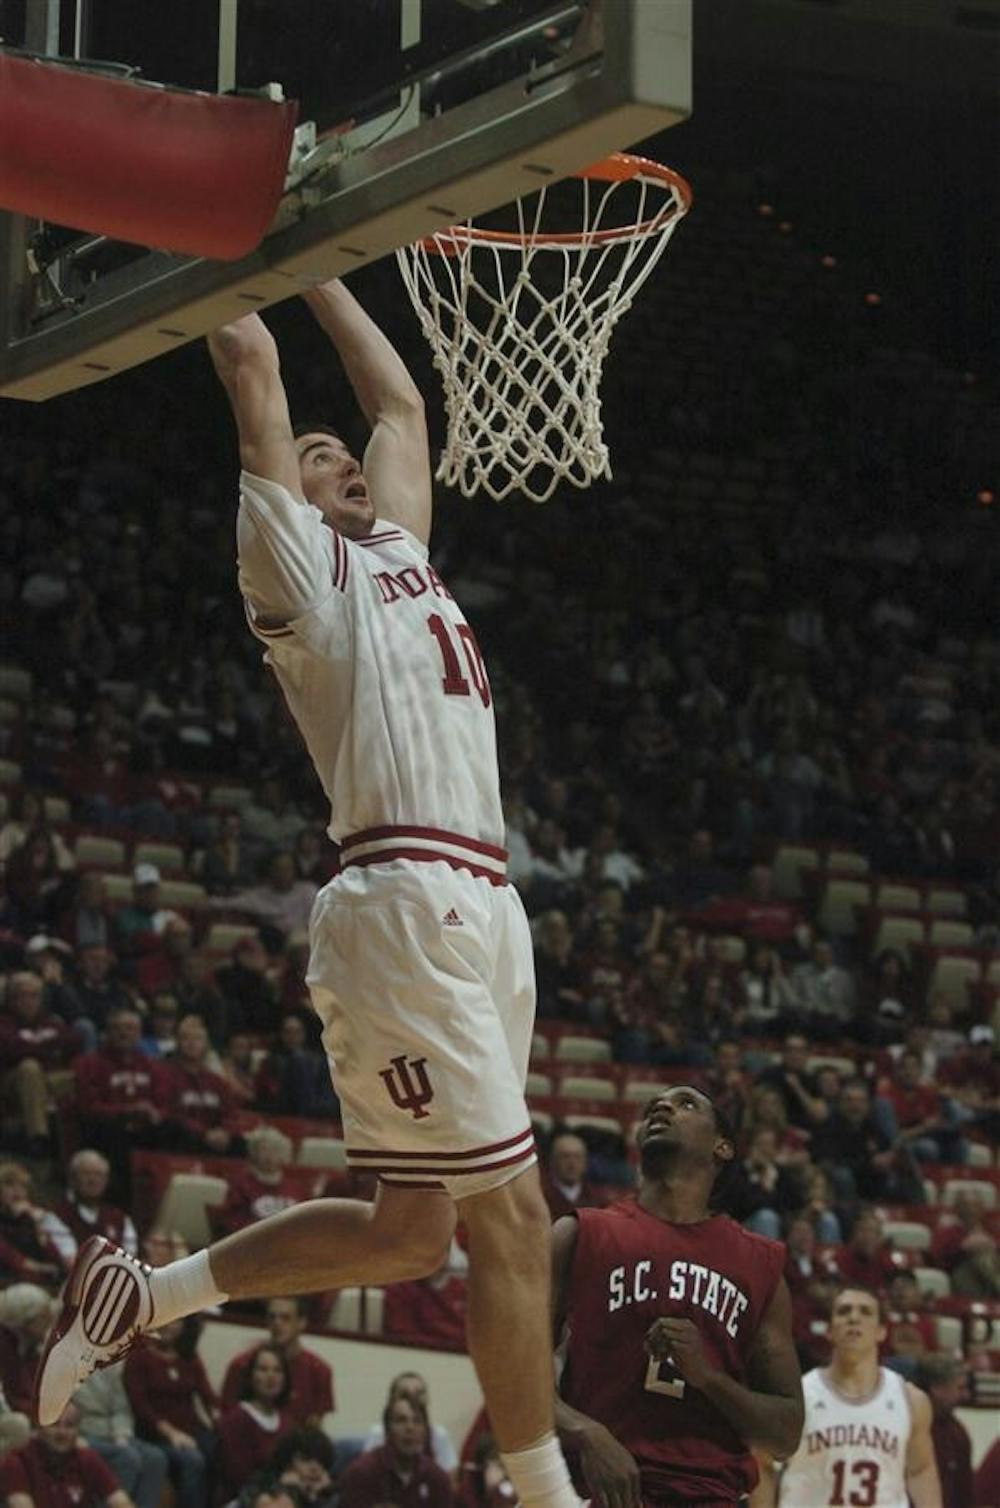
(107, 1424)
(55, 1471)
(942, 1378)
(803, 1106)
(401, 1471)
(198, 1104)
(85, 1211)
(36, 1050)
(565, 1184)
(311, 1395)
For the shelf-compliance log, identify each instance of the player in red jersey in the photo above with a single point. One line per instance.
(679, 1352)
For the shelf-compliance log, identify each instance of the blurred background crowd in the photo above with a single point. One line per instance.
(748, 698)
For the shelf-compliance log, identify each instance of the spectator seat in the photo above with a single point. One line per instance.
(570, 1049)
(948, 1332)
(90, 848)
(118, 887)
(950, 934)
(946, 902)
(10, 712)
(985, 1190)
(10, 772)
(587, 1087)
(321, 1152)
(979, 1155)
(16, 682)
(908, 1235)
(951, 977)
(893, 897)
(541, 1120)
(540, 1048)
(229, 797)
(168, 857)
(844, 861)
(57, 809)
(184, 1206)
(223, 936)
(785, 866)
(838, 908)
(899, 933)
(183, 893)
(538, 1083)
(733, 948)
(844, 1066)
(933, 1281)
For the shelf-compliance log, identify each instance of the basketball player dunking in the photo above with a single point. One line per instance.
(679, 1352)
(867, 1438)
(421, 961)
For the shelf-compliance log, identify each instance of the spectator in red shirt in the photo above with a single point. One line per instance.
(28, 1245)
(400, 1471)
(564, 1183)
(249, 1432)
(812, 1281)
(429, 1311)
(262, 1187)
(199, 1106)
(966, 1248)
(973, 1077)
(920, 1113)
(161, 967)
(987, 1489)
(36, 1049)
(166, 1382)
(866, 1259)
(910, 1329)
(943, 1380)
(84, 1210)
(25, 1315)
(119, 1090)
(440, 1446)
(311, 1379)
(55, 1471)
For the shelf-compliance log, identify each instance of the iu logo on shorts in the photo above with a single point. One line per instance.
(409, 1085)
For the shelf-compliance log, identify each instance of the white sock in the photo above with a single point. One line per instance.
(540, 1476)
(183, 1287)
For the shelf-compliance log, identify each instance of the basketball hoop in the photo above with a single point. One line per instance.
(520, 322)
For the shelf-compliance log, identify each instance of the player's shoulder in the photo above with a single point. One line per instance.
(388, 541)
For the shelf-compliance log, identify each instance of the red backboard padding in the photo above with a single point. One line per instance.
(194, 173)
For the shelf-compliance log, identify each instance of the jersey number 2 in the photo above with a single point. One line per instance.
(453, 681)
(672, 1384)
(864, 1484)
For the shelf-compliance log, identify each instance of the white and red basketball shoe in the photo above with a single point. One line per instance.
(106, 1305)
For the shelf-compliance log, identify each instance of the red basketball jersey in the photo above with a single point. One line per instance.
(628, 1269)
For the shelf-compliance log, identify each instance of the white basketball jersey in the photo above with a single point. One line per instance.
(853, 1451)
(380, 670)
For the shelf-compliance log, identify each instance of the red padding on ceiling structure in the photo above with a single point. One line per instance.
(195, 173)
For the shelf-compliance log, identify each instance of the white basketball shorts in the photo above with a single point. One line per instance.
(423, 976)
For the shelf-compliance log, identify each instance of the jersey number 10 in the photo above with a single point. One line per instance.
(453, 681)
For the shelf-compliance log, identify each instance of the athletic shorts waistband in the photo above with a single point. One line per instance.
(380, 845)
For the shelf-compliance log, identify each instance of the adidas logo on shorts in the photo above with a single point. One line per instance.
(451, 918)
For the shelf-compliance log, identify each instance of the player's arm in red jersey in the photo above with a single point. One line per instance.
(397, 465)
(770, 1412)
(922, 1480)
(612, 1474)
(246, 360)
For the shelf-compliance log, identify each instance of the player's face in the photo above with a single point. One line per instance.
(333, 483)
(680, 1119)
(855, 1326)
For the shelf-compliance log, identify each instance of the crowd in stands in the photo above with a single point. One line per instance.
(749, 716)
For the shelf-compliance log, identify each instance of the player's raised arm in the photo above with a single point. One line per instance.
(770, 1413)
(397, 462)
(282, 565)
(246, 360)
(611, 1471)
(922, 1480)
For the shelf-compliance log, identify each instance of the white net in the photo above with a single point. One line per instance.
(520, 323)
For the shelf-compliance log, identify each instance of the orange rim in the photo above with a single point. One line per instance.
(619, 167)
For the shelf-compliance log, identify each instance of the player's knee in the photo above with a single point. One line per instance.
(511, 1221)
(413, 1244)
